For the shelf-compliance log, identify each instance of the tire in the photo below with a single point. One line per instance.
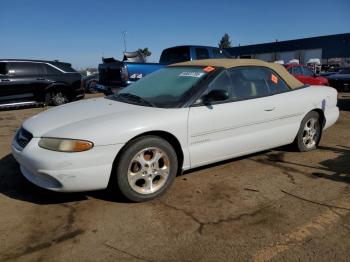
(57, 98)
(91, 88)
(310, 132)
(146, 169)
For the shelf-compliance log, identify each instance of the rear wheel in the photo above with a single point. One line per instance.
(146, 168)
(309, 134)
(91, 87)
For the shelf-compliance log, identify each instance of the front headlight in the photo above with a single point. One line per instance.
(65, 145)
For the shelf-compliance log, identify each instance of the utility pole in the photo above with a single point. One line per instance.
(276, 49)
(124, 39)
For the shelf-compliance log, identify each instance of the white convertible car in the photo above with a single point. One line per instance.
(183, 116)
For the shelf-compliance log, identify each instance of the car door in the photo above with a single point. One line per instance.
(5, 85)
(19, 73)
(297, 72)
(27, 79)
(288, 109)
(310, 76)
(235, 127)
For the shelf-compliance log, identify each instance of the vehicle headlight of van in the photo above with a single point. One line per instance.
(65, 145)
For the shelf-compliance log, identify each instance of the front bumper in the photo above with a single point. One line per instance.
(66, 172)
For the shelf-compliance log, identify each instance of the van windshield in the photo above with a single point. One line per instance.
(166, 88)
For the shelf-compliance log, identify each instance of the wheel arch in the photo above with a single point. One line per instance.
(174, 142)
(322, 116)
(57, 85)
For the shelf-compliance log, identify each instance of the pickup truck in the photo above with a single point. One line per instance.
(114, 74)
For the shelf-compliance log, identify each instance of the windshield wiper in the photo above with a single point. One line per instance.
(136, 98)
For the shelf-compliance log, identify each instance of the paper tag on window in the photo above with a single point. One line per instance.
(274, 78)
(209, 69)
(192, 74)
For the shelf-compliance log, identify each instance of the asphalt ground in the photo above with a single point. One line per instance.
(277, 205)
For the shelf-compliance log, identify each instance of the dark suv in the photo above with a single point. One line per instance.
(29, 82)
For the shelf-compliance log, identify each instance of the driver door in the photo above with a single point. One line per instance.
(230, 128)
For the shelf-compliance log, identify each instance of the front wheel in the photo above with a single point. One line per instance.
(146, 168)
(309, 134)
(58, 98)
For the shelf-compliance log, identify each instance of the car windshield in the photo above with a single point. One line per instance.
(166, 88)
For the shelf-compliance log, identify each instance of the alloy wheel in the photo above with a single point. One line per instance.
(311, 133)
(148, 170)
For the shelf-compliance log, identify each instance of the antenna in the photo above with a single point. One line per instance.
(124, 39)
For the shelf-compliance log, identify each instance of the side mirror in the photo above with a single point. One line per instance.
(215, 96)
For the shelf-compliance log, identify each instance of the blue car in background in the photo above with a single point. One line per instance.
(114, 74)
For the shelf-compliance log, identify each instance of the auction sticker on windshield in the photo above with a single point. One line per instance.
(192, 74)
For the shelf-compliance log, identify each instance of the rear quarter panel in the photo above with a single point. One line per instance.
(323, 98)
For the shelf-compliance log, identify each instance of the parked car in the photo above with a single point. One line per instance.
(340, 80)
(183, 116)
(29, 82)
(327, 69)
(306, 75)
(115, 74)
(89, 82)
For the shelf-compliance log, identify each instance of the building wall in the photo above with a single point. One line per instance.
(322, 47)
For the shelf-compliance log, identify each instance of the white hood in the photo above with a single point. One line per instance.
(84, 110)
(104, 121)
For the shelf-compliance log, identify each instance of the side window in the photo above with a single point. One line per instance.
(290, 70)
(297, 70)
(221, 82)
(202, 53)
(3, 68)
(307, 72)
(26, 69)
(276, 84)
(51, 70)
(39, 69)
(20, 69)
(249, 82)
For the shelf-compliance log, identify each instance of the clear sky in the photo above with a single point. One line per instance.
(81, 31)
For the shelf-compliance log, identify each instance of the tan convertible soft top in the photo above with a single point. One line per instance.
(229, 63)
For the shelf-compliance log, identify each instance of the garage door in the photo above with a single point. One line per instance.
(268, 57)
(286, 56)
(312, 53)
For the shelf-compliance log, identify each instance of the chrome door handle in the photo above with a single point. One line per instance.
(270, 109)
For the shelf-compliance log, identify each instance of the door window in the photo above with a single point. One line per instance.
(26, 69)
(248, 82)
(307, 72)
(221, 82)
(297, 70)
(51, 70)
(3, 68)
(254, 82)
(202, 53)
